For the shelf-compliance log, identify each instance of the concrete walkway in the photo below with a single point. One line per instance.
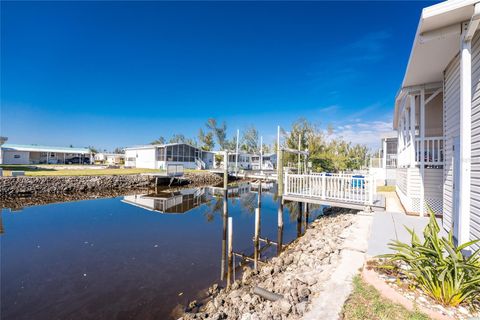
(388, 226)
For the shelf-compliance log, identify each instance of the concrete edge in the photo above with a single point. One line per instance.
(371, 278)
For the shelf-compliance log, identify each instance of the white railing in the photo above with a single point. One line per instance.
(350, 188)
(391, 160)
(201, 165)
(433, 150)
(433, 156)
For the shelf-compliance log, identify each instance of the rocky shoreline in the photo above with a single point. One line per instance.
(299, 274)
(63, 185)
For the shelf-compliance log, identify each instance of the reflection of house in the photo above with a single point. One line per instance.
(266, 186)
(159, 156)
(235, 191)
(34, 154)
(169, 202)
(109, 158)
(437, 118)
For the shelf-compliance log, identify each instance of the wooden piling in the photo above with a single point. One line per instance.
(257, 237)
(225, 170)
(307, 216)
(299, 219)
(224, 238)
(280, 226)
(230, 252)
(280, 173)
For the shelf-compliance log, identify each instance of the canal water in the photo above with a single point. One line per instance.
(130, 257)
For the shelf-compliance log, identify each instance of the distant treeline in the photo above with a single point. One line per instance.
(327, 152)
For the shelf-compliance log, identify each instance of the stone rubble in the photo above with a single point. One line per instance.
(52, 185)
(298, 274)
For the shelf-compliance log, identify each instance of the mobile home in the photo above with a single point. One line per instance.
(437, 117)
(110, 158)
(247, 161)
(36, 154)
(161, 155)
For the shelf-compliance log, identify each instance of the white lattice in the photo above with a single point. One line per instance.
(436, 204)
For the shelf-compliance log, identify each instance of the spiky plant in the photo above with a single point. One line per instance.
(438, 266)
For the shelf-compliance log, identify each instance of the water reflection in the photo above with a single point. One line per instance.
(104, 259)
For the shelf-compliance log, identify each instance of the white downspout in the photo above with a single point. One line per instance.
(466, 125)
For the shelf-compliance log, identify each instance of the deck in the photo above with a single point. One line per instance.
(353, 191)
(337, 190)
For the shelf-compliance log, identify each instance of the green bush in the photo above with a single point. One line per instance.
(438, 266)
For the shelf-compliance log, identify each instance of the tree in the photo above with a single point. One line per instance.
(3, 140)
(119, 150)
(92, 149)
(249, 141)
(220, 132)
(160, 140)
(177, 138)
(206, 140)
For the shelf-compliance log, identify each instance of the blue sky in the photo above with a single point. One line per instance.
(114, 74)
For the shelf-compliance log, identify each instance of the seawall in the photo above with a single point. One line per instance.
(53, 185)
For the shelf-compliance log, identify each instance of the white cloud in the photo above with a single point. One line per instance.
(367, 133)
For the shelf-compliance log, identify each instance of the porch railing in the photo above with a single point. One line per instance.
(433, 156)
(433, 150)
(351, 188)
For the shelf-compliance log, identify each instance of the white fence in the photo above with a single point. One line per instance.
(359, 189)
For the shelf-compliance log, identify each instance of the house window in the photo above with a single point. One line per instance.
(16, 156)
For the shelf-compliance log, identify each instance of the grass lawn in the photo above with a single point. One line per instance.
(386, 189)
(52, 171)
(366, 303)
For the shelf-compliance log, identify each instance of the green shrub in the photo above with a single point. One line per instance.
(438, 266)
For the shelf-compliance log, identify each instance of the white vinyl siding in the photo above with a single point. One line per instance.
(451, 129)
(475, 168)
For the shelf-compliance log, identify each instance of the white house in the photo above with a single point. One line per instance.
(35, 154)
(385, 166)
(160, 155)
(437, 116)
(110, 158)
(247, 161)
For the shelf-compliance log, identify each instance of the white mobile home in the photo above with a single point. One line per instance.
(385, 166)
(247, 161)
(35, 154)
(437, 116)
(110, 158)
(161, 155)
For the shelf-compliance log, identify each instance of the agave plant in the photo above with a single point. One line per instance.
(438, 266)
